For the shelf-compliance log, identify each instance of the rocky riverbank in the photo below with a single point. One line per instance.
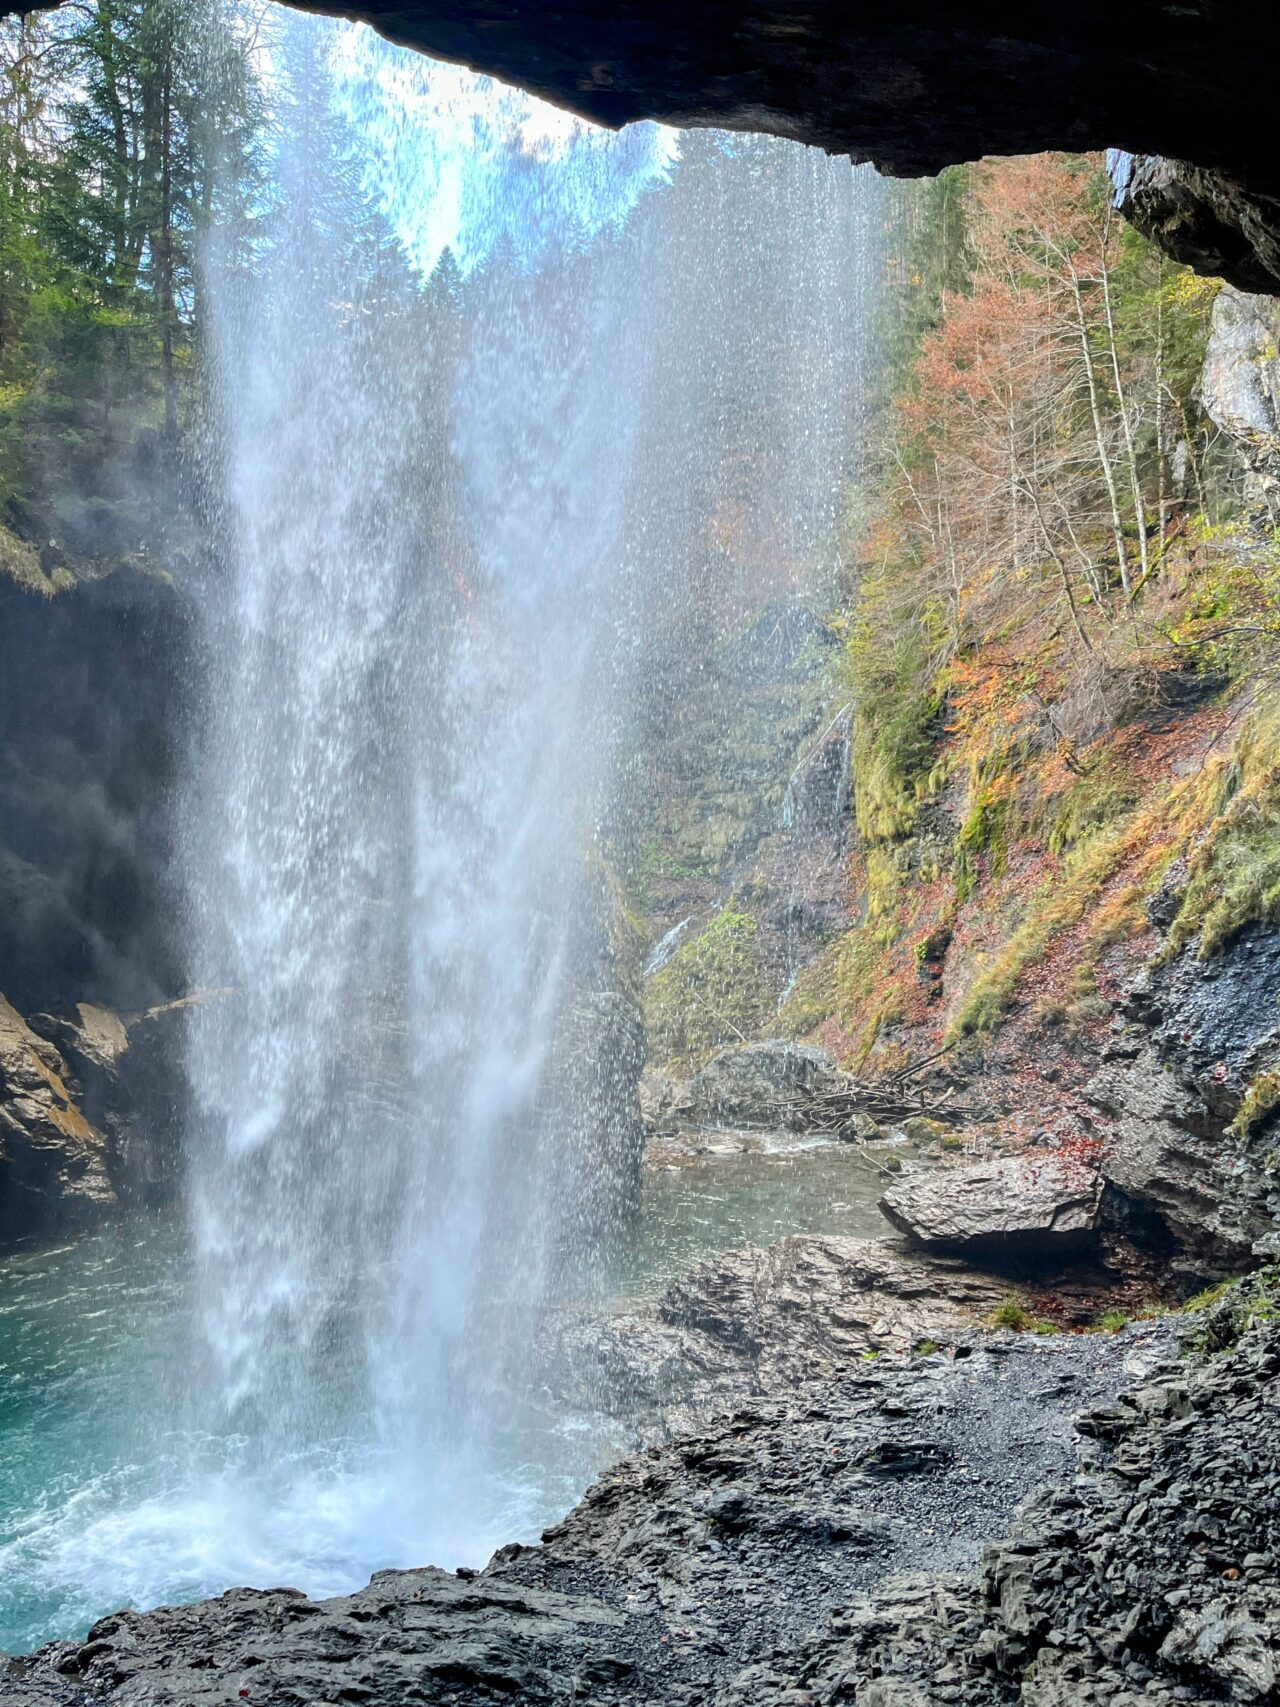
(1045, 1520)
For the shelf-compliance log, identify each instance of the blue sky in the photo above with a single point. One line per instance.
(461, 161)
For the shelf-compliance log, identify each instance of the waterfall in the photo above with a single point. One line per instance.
(414, 653)
(452, 514)
(502, 408)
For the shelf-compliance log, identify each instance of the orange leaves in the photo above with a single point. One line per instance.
(993, 690)
(1001, 492)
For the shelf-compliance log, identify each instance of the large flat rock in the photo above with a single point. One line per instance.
(410, 1636)
(765, 1319)
(1024, 1206)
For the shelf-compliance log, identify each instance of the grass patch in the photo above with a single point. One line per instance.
(1210, 1296)
(1227, 1311)
(1111, 1321)
(1013, 1314)
(1145, 844)
(1106, 792)
(1235, 871)
(1261, 1099)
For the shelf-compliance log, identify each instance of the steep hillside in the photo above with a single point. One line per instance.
(1059, 644)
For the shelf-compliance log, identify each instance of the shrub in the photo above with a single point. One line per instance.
(1012, 1313)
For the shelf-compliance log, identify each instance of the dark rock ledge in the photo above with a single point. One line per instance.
(836, 1542)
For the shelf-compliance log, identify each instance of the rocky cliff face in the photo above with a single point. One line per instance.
(1215, 221)
(93, 669)
(53, 1163)
(740, 826)
(92, 681)
(1240, 389)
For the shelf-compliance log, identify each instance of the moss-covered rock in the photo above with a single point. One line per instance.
(713, 991)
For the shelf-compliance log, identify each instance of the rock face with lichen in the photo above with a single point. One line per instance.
(1240, 388)
(53, 1163)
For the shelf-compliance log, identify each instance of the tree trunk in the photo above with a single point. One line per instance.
(1095, 409)
(1139, 511)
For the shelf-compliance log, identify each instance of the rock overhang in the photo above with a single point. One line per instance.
(916, 85)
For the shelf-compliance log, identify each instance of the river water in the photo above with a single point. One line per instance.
(104, 1504)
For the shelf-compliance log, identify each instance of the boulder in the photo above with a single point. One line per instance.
(764, 1320)
(53, 1161)
(1173, 1162)
(666, 1103)
(775, 1083)
(1023, 1206)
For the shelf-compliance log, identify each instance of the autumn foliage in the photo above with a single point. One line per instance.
(1061, 641)
(1034, 460)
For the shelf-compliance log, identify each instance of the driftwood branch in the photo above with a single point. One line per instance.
(882, 1099)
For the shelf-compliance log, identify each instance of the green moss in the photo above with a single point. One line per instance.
(1107, 790)
(895, 731)
(926, 1348)
(20, 562)
(813, 997)
(987, 830)
(1012, 1313)
(1111, 1321)
(712, 992)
